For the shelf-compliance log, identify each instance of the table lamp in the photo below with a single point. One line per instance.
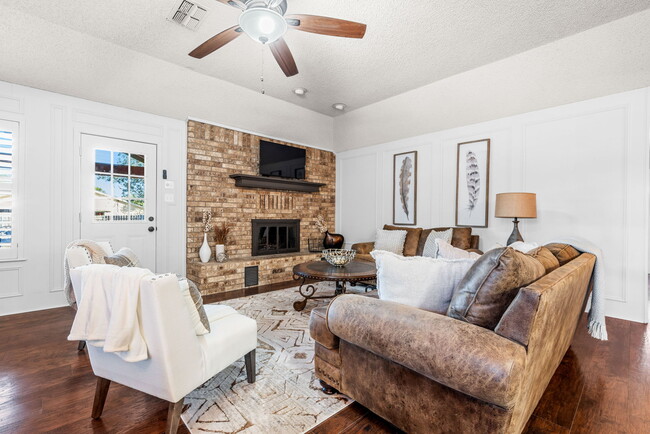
(517, 206)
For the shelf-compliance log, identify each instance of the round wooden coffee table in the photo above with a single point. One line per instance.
(355, 271)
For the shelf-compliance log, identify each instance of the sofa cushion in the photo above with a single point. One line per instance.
(563, 252)
(461, 238)
(447, 251)
(412, 238)
(430, 246)
(425, 283)
(390, 241)
(488, 288)
(544, 255)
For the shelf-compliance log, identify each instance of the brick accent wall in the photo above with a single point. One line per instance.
(213, 154)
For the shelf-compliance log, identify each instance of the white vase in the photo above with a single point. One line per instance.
(205, 252)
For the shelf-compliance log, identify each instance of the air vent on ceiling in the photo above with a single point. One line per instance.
(188, 14)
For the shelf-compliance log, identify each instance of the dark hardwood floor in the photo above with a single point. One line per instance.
(46, 385)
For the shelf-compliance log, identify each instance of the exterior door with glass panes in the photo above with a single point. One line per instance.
(118, 195)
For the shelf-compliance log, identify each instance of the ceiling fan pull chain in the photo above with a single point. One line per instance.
(262, 75)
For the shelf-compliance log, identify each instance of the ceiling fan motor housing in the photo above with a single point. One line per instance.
(263, 20)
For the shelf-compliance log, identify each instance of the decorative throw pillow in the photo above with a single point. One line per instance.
(563, 252)
(544, 255)
(390, 241)
(430, 247)
(523, 247)
(447, 251)
(461, 238)
(488, 288)
(194, 304)
(106, 245)
(425, 283)
(123, 258)
(411, 241)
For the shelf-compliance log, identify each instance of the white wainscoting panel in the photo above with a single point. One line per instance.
(587, 162)
(10, 278)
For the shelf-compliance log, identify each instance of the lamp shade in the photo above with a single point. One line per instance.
(520, 205)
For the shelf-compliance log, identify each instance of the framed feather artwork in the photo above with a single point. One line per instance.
(472, 183)
(405, 175)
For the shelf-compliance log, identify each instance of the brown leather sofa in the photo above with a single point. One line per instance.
(461, 238)
(428, 372)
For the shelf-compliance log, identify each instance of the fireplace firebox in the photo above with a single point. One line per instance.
(275, 236)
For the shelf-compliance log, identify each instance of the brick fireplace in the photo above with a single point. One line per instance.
(213, 154)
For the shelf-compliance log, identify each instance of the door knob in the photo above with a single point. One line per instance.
(151, 219)
(151, 229)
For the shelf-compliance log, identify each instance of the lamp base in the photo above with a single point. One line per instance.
(515, 235)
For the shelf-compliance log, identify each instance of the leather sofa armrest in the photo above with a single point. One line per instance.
(467, 358)
(363, 248)
(319, 330)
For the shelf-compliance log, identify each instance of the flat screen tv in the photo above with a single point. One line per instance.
(281, 160)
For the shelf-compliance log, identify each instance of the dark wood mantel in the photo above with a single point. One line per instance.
(271, 183)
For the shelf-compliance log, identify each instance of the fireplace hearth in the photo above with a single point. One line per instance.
(274, 236)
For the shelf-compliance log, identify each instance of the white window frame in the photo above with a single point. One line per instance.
(13, 252)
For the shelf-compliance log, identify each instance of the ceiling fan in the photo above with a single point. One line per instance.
(264, 22)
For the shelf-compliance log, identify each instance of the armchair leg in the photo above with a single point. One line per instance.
(249, 359)
(174, 416)
(100, 396)
(81, 346)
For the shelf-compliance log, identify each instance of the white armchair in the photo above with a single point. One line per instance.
(179, 361)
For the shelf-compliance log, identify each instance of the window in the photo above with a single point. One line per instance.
(119, 186)
(8, 190)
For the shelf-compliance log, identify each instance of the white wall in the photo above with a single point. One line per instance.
(44, 55)
(587, 162)
(614, 57)
(51, 125)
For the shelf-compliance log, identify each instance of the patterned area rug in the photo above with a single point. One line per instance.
(286, 396)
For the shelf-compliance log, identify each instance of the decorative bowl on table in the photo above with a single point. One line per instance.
(339, 257)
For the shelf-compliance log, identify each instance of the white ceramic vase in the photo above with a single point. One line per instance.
(205, 252)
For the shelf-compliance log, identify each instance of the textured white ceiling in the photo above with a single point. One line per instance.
(407, 44)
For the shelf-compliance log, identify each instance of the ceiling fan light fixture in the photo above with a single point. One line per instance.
(262, 24)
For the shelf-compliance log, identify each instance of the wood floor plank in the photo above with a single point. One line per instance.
(342, 420)
(639, 384)
(538, 425)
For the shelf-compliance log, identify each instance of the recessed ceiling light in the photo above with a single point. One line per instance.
(300, 91)
(339, 106)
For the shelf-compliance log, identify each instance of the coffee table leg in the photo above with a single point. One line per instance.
(340, 288)
(308, 292)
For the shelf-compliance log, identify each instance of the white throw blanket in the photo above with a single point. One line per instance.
(596, 326)
(97, 257)
(107, 314)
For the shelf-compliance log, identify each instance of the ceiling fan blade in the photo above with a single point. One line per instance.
(234, 3)
(216, 42)
(326, 26)
(283, 56)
